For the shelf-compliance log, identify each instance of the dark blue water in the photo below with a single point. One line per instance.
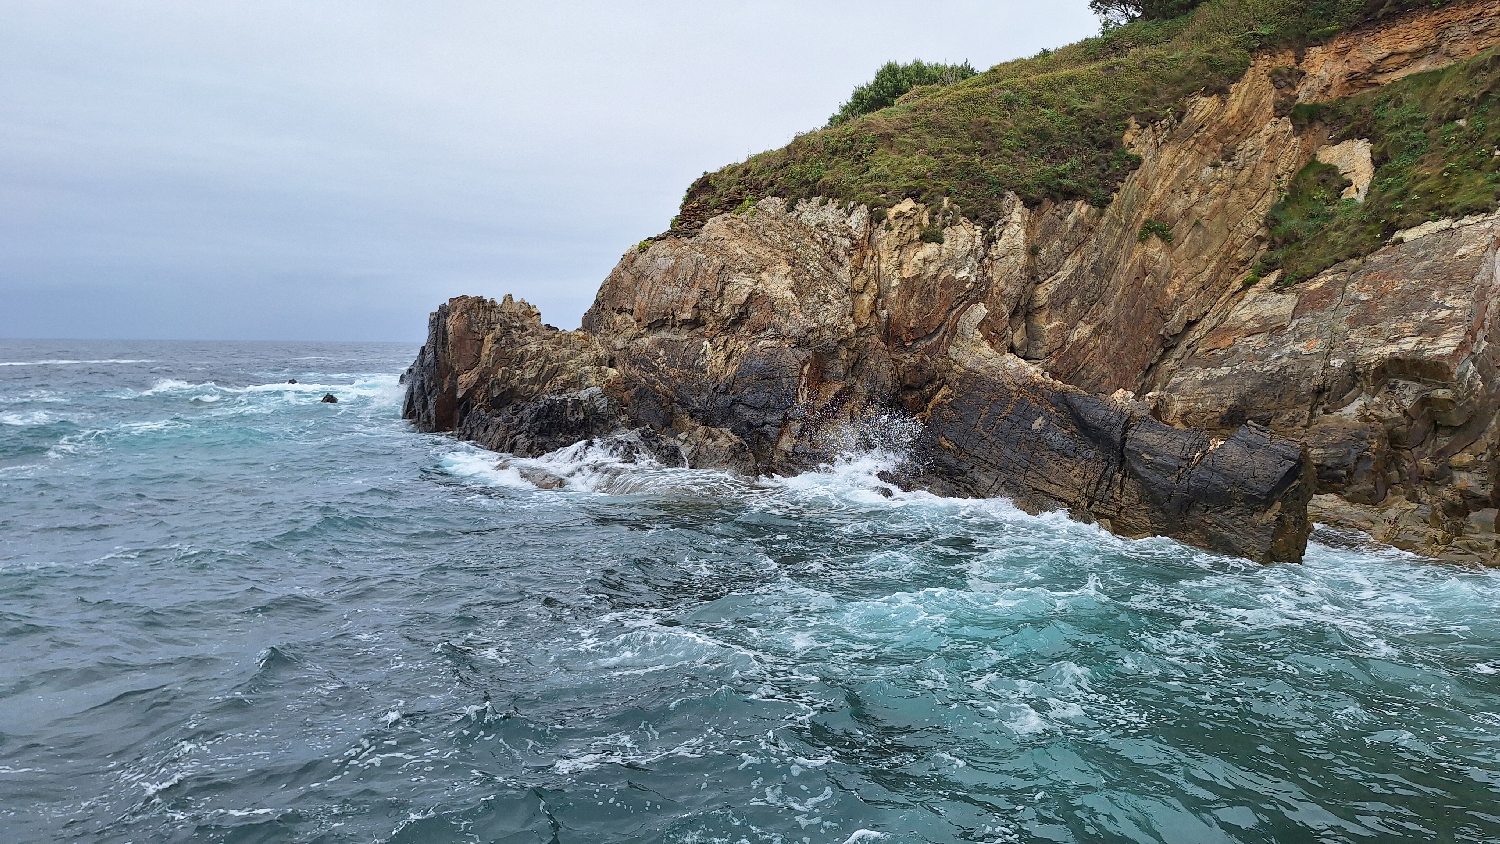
(230, 612)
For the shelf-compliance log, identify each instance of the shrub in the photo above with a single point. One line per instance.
(1117, 12)
(893, 81)
(1157, 229)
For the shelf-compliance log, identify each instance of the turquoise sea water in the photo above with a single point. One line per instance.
(229, 612)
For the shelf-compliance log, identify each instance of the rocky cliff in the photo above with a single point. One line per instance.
(1121, 362)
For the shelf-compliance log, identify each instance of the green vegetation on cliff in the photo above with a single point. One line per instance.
(892, 82)
(1048, 127)
(1436, 139)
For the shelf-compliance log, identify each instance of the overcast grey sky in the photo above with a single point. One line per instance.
(334, 169)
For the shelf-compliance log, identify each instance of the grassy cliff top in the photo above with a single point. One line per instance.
(1436, 147)
(1048, 127)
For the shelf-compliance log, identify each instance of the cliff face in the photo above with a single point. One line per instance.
(1109, 361)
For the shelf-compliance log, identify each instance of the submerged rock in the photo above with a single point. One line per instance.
(330, 398)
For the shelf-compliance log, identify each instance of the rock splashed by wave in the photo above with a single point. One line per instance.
(231, 612)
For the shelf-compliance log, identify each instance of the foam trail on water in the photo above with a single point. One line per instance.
(380, 387)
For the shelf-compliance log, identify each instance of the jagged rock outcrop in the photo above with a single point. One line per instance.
(755, 343)
(1387, 368)
(1059, 357)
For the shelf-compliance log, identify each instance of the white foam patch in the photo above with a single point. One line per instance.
(852, 478)
(173, 385)
(659, 649)
(588, 467)
(32, 397)
(70, 362)
(621, 749)
(362, 387)
(26, 420)
(153, 789)
(483, 468)
(85, 441)
(853, 481)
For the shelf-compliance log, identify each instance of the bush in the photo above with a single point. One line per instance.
(1116, 12)
(1157, 229)
(894, 80)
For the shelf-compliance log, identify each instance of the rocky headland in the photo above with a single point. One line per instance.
(1249, 334)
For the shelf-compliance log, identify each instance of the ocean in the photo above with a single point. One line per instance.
(230, 611)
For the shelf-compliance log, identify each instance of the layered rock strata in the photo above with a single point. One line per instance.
(1056, 358)
(761, 343)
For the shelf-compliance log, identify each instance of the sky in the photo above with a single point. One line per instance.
(335, 169)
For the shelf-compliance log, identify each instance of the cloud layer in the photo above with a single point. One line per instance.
(289, 170)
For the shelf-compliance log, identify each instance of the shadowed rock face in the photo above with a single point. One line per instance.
(494, 374)
(1108, 460)
(759, 342)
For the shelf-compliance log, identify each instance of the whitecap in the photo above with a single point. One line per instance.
(248, 813)
(153, 789)
(173, 385)
(592, 467)
(483, 468)
(659, 649)
(368, 386)
(1021, 719)
(26, 420)
(366, 393)
(852, 478)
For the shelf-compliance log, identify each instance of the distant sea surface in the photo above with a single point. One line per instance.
(232, 612)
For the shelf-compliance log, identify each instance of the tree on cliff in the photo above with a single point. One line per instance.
(1328, 15)
(893, 80)
(1124, 11)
